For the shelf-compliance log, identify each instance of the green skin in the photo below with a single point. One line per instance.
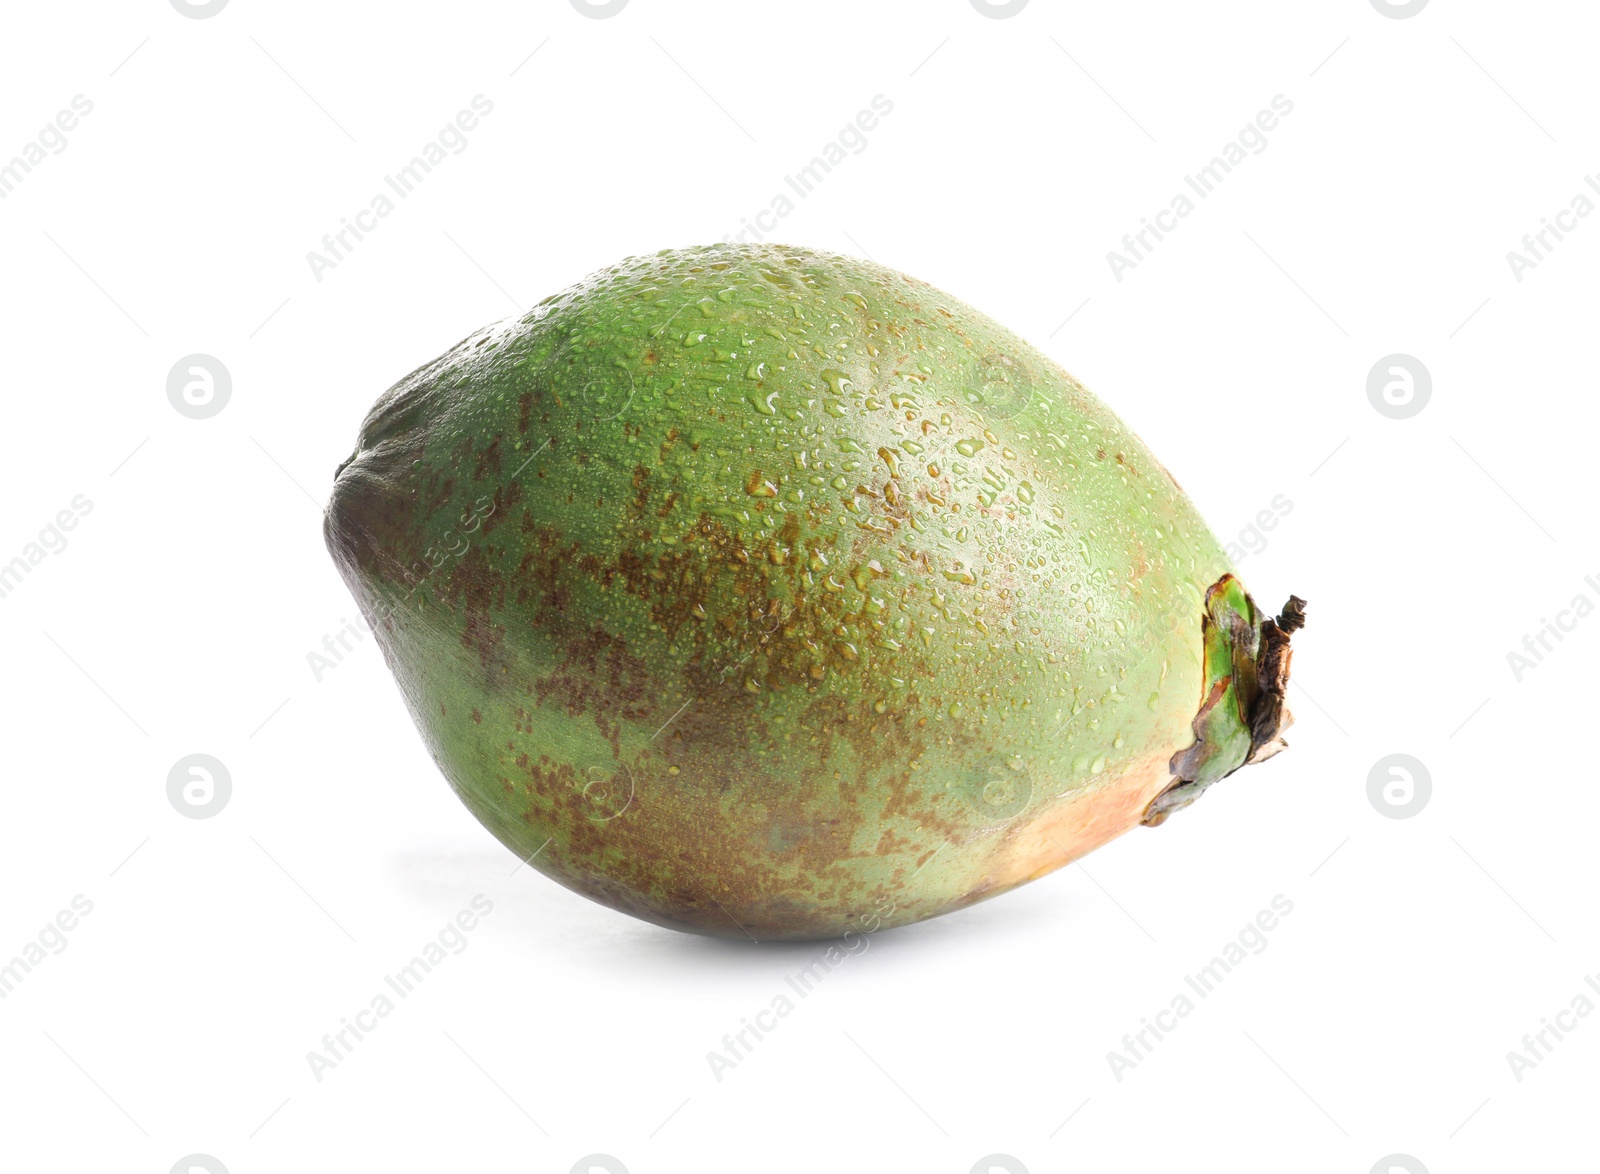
(763, 592)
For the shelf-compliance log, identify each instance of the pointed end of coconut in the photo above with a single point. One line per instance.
(1242, 713)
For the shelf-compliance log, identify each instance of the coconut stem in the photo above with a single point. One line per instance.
(1242, 712)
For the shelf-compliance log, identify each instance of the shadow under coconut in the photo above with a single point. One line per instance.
(545, 918)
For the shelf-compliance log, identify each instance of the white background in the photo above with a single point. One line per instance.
(179, 616)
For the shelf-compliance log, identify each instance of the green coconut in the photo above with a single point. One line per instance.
(759, 591)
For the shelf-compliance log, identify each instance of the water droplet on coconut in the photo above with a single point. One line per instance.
(836, 380)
